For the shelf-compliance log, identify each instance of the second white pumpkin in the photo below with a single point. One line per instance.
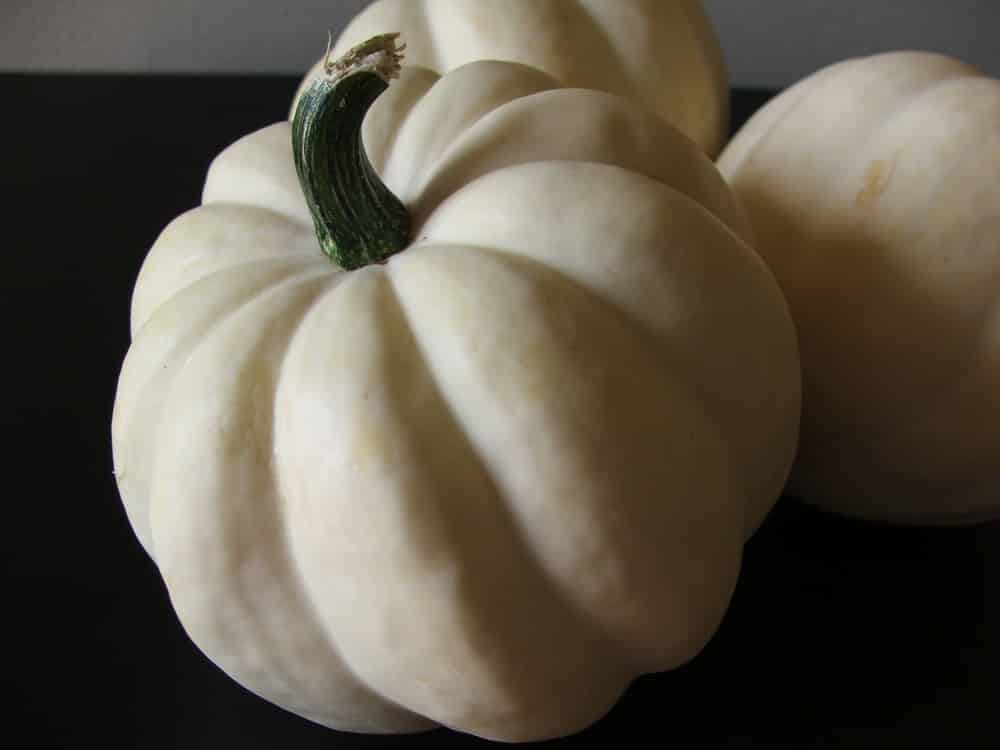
(663, 54)
(872, 188)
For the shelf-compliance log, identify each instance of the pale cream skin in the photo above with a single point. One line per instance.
(489, 482)
(872, 187)
(664, 54)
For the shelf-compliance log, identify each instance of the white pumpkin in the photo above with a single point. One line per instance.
(664, 54)
(873, 192)
(489, 481)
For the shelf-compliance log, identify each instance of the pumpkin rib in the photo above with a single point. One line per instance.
(130, 400)
(259, 170)
(413, 84)
(610, 118)
(798, 97)
(424, 27)
(157, 261)
(220, 275)
(716, 65)
(440, 228)
(655, 653)
(608, 61)
(553, 584)
(402, 718)
(572, 614)
(515, 81)
(419, 723)
(412, 546)
(524, 255)
(268, 559)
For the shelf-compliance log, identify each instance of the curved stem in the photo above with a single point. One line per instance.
(358, 220)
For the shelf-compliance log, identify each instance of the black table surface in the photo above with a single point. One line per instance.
(840, 635)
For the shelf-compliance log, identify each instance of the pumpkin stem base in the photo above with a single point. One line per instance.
(358, 220)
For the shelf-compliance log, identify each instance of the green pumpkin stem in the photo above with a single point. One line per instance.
(358, 220)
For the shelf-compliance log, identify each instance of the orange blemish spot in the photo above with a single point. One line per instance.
(876, 181)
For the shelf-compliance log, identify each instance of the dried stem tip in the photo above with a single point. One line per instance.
(379, 55)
